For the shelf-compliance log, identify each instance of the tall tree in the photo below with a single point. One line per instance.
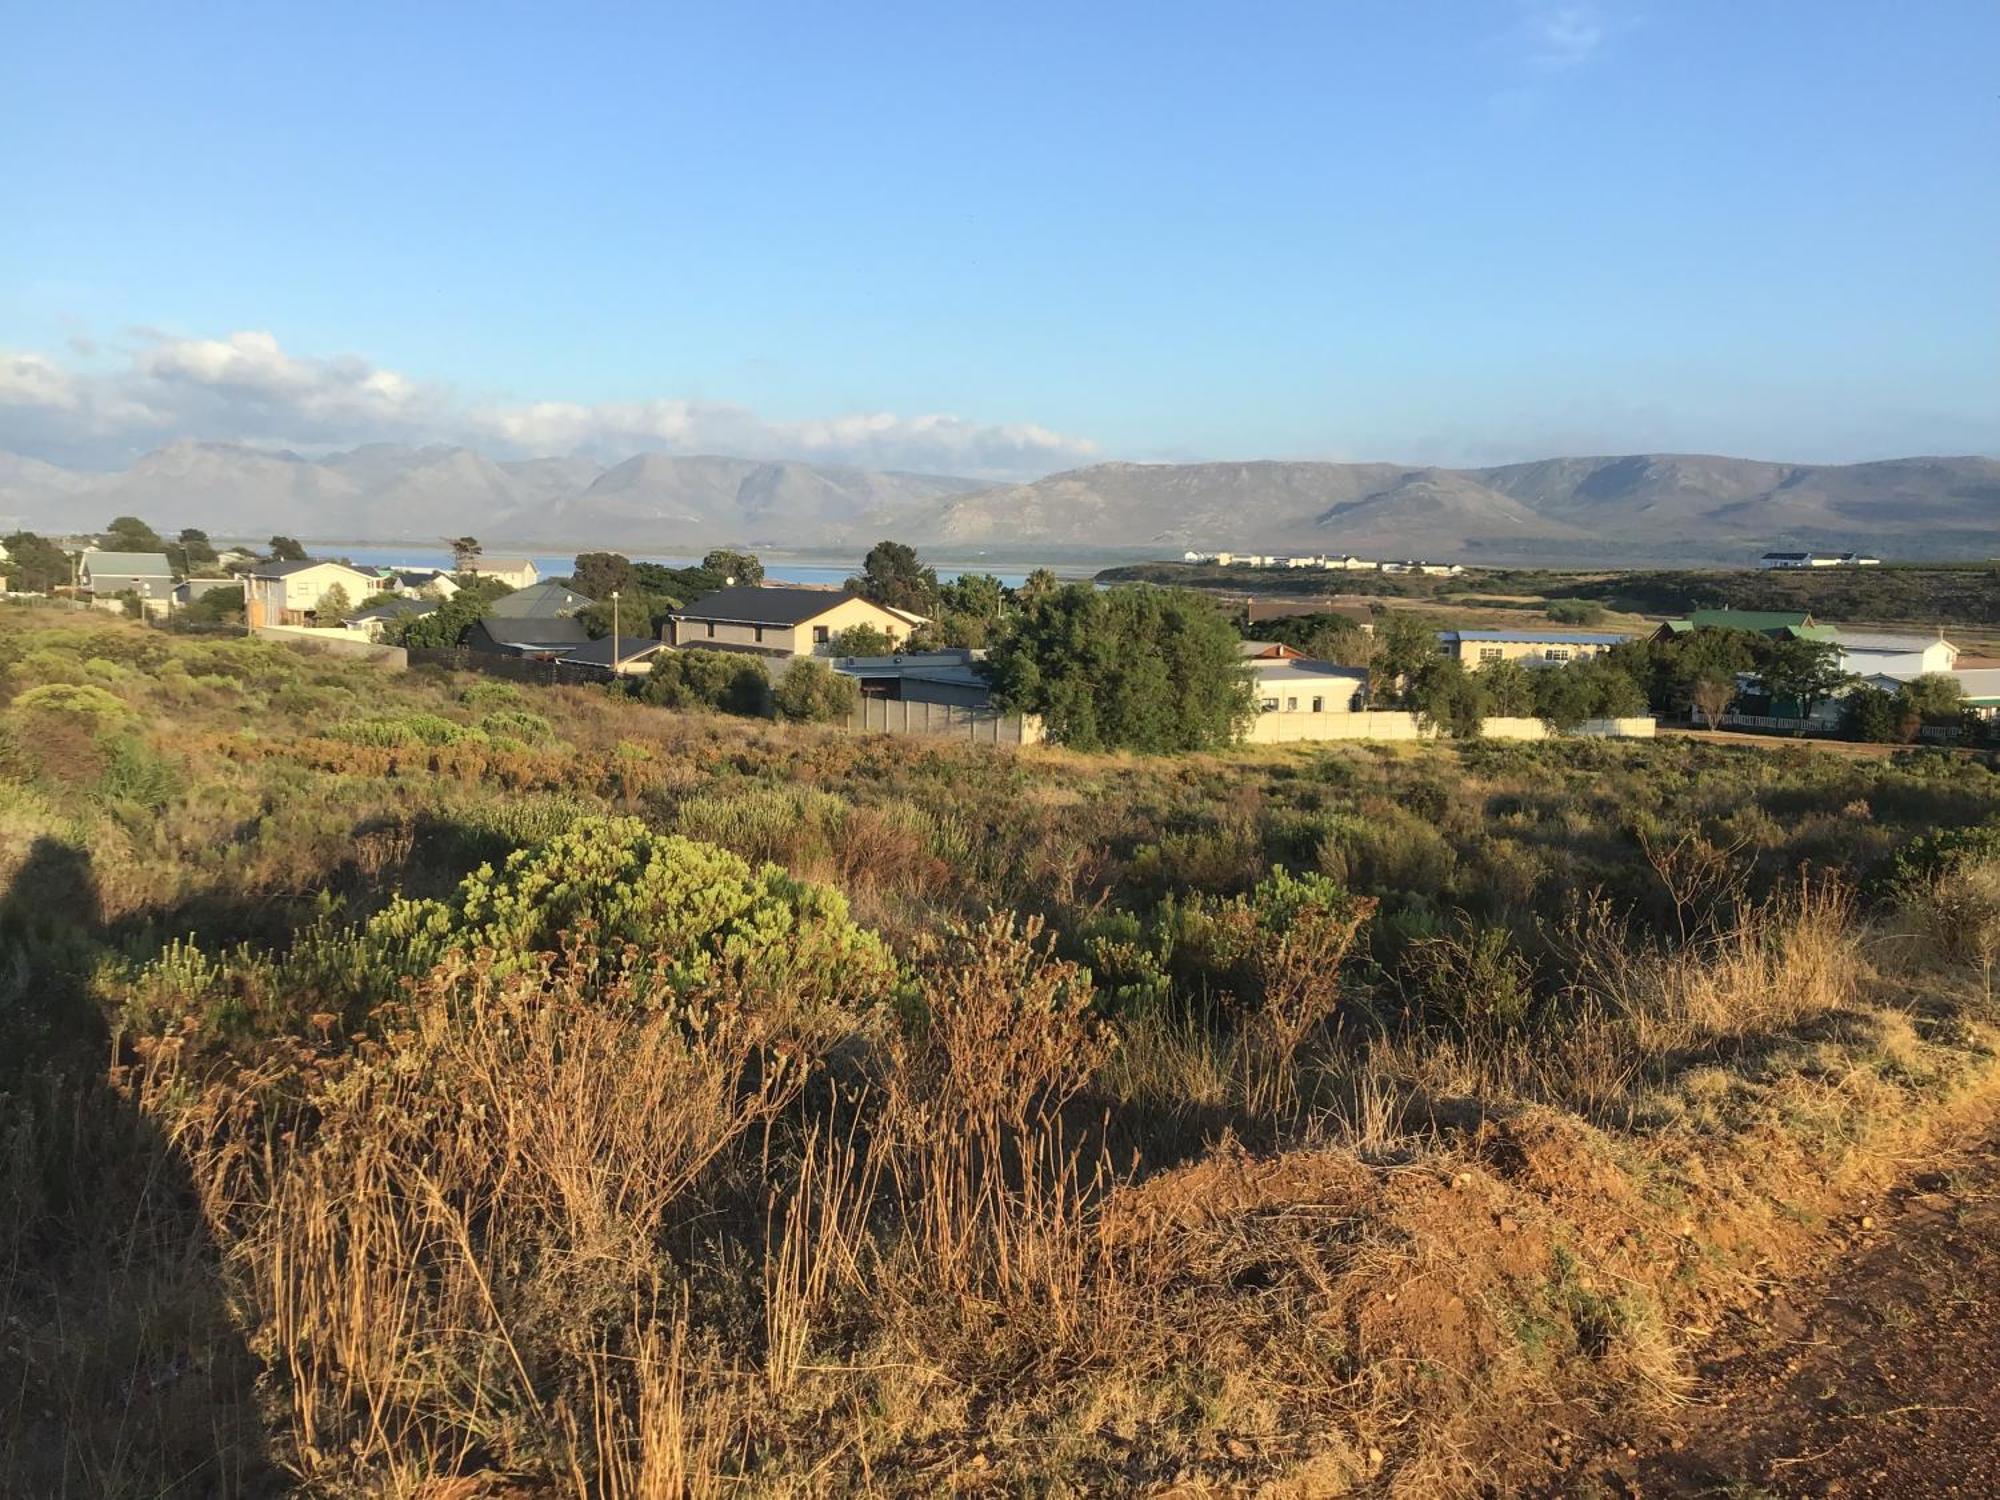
(744, 567)
(191, 550)
(598, 573)
(35, 564)
(1804, 672)
(1404, 644)
(1133, 668)
(130, 534)
(465, 552)
(893, 575)
(285, 549)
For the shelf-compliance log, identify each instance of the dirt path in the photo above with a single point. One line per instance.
(1879, 1378)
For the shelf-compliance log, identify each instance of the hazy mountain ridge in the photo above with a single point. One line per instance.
(1584, 508)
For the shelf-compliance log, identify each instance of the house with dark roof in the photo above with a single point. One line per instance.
(781, 621)
(377, 619)
(952, 677)
(628, 656)
(539, 601)
(503, 636)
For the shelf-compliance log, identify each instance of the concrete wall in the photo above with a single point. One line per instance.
(336, 642)
(1382, 724)
(983, 726)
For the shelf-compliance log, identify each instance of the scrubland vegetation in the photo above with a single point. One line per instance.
(417, 1085)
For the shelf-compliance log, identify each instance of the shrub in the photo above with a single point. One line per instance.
(708, 679)
(811, 692)
(518, 724)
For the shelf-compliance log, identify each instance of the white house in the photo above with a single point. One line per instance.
(1300, 685)
(1818, 560)
(145, 575)
(288, 593)
(515, 572)
(1899, 658)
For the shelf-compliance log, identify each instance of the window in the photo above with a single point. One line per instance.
(1291, 705)
(711, 630)
(1490, 653)
(1319, 705)
(1556, 653)
(758, 631)
(1268, 706)
(820, 637)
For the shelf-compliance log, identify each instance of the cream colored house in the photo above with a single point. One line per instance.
(515, 572)
(781, 621)
(287, 593)
(1300, 685)
(1531, 648)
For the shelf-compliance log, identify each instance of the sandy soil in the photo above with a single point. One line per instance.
(1880, 1377)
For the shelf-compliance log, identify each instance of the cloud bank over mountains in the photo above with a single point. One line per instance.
(246, 388)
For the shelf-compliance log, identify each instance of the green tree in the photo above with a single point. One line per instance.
(214, 607)
(1404, 644)
(1136, 668)
(971, 609)
(285, 549)
(811, 692)
(1935, 698)
(1876, 716)
(862, 640)
(744, 567)
(333, 607)
(130, 534)
(1705, 665)
(1803, 672)
(1509, 688)
(444, 627)
(598, 573)
(190, 552)
(894, 576)
(1592, 688)
(35, 564)
(1327, 637)
(1037, 584)
(465, 552)
(1574, 611)
(1446, 698)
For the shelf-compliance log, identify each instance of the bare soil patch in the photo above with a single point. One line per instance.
(1878, 1377)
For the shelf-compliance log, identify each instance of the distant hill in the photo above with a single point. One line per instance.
(1670, 507)
(1678, 508)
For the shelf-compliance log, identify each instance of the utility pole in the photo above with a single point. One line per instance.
(614, 633)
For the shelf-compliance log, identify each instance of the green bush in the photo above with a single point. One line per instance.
(518, 724)
(721, 680)
(811, 692)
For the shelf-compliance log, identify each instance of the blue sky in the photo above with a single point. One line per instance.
(1006, 238)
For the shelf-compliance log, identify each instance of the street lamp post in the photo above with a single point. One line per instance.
(614, 632)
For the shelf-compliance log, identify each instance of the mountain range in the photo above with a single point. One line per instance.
(1629, 508)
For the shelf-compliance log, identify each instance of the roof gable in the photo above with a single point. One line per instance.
(539, 601)
(128, 564)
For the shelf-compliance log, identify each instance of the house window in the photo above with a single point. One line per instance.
(1291, 705)
(1319, 705)
(711, 630)
(758, 630)
(1268, 706)
(1490, 653)
(1556, 653)
(820, 636)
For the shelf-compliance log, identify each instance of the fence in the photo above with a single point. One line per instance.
(1383, 724)
(982, 726)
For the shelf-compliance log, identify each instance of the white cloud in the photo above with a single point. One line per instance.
(247, 388)
(1564, 33)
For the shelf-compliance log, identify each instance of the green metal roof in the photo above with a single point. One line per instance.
(1749, 619)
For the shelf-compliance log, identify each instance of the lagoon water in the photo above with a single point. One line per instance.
(560, 567)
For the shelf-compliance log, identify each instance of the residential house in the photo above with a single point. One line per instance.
(106, 576)
(781, 621)
(539, 601)
(1872, 655)
(377, 619)
(1531, 648)
(515, 572)
(1268, 651)
(628, 656)
(1766, 622)
(288, 593)
(1981, 687)
(1300, 685)
(531, 636)
(411, 582)
(1347, 562)
(951, 677)
(1818, 560)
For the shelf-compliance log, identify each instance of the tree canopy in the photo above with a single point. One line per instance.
(286, 549)
(34, 564)
(894, 576)
(1148, 669)
(130, 534)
